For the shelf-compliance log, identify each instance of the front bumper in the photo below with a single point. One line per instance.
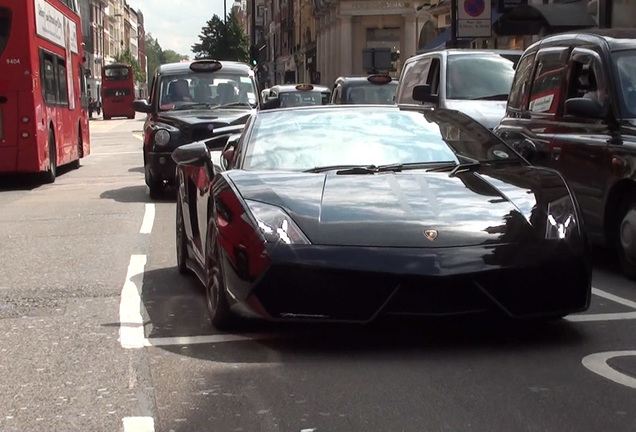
(162, 167)
(359, 284)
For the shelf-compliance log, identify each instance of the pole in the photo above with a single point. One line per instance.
(253, 23)
(453, 39)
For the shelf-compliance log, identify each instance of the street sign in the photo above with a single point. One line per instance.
(474, 18)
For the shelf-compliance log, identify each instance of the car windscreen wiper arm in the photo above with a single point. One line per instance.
(456, 168)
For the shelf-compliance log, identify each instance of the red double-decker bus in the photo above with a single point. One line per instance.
(118, 91)
(43, 102)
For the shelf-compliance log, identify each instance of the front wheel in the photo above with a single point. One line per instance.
(626, 237)
(216, 297)
(51, 174)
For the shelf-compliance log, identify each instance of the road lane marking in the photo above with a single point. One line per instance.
(115, 153)
(614, 298)
(204, 339)
(602, 317)
(597, 363)
(131, 325)
(139, 137)
(149, 219)
(139, 424)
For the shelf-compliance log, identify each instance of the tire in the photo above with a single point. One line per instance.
(51, 174)
(216, 297)
(626, 236)
(156, 190)
(181, 240)
(106, 117)
(132, 117)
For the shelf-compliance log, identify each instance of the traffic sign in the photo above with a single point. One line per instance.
(474, 19)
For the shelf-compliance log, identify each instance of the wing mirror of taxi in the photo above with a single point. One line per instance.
(422, 93)
(584, 107)
(142, 105)
(195, 154)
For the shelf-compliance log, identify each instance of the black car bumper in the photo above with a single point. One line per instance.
(162, 167)
(360, 284)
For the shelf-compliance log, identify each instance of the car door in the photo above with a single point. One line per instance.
(580, 145)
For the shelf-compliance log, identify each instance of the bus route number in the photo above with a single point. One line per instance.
(13, 61)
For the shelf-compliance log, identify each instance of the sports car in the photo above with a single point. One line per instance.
(354, 212)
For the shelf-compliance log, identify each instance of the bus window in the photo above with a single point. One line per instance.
(5, 27)
(61, 76)
(49, 81)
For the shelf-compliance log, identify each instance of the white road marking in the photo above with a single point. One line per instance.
(614, 298)
(149, 219)
(597, 363)
(131, 328)
(139, 137)
(602, 317)
(192, 340)
(115, 153)
(139, 424)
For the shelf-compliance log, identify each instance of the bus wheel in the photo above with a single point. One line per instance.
(80, 150)
(49, 176)
(106, 117)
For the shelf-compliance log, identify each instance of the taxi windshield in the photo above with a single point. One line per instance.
(479, 77)
(625, 65)
(303, 98)
(200, 90)
(371, 94)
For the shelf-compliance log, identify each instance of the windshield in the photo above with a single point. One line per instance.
(625, 64)
(206, 90)
(371, 94)
(5, 27)
(479, 77)
(305, 139)
(117, 73)
(303, 98)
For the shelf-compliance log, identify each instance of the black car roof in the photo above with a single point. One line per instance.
(181, 67)
(614, 39)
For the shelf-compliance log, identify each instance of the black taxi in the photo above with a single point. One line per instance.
(192, 101)
(572, 107)
(294, 95)
(373, 89)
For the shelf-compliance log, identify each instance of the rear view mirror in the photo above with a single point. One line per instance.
(142, 105)
(422, 93)
(584, 107)
(271, 103)
(195, 154)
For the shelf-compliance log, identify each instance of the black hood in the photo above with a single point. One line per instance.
(395, 209)
(196, 125)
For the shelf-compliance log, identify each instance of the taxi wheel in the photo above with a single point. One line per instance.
(51, 174)
(156, 190)
(626, 237)
(216, 296)
(182, 241)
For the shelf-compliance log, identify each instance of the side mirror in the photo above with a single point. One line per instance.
(527, 149)
(271, 103)
(584, 107)
(195, 154)
(422, 93)
(142, 105)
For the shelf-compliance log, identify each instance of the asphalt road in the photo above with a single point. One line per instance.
(101, 333)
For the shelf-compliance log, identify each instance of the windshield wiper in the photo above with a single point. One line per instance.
(373, 169)
(234, 104)
(455, 168)
(194, 105)
(500, 97)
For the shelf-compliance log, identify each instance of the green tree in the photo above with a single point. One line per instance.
(223, 41)
(127, 58)
(173, 57)
(157, 56)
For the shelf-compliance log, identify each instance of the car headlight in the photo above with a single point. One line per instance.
(561, 219)
(275, 224)
(162, 137)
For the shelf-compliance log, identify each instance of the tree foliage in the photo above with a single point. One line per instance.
(127, 57)
(157, 56)
(223, 41)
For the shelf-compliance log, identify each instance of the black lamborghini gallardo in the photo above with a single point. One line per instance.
(348, 213)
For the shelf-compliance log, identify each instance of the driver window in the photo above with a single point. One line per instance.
(585, 80)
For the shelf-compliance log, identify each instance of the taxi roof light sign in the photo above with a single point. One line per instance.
(380, 79)
(205, 66)
(304, 87)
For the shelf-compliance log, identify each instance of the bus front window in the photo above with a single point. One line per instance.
(5, 28)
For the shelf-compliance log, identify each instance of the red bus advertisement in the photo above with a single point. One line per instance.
(43, 100)
(118, 91)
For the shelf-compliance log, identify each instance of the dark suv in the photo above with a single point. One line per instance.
(572, 107)
(193, 101)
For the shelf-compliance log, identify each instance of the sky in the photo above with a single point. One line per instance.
(177, 23)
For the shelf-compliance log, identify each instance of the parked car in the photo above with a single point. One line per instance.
(572, 107)
(295, 95)
(348, 213)
(372, 89)
(192, 101)
(475, 82)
